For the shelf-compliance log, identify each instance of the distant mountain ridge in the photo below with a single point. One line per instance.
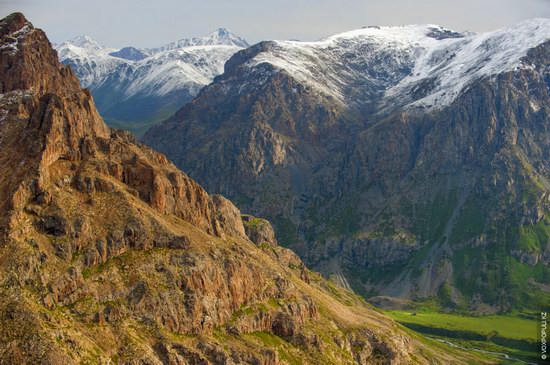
(219, 37)
(135, 88)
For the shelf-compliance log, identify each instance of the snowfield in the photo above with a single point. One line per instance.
(420, 65)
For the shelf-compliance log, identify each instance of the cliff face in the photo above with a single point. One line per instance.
(110, 254)
(378, 156)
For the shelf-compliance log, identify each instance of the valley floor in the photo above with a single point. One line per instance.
(514, 335)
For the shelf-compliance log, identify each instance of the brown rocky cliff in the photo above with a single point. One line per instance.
(29, 62)
(65, 125)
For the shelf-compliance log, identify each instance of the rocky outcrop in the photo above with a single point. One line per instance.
(109, 253)
(259, 230)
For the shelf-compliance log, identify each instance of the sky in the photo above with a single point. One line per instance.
(145, 23)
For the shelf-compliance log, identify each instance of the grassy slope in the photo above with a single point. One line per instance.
(509, 326)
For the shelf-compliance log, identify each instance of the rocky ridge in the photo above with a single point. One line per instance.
(110, 254)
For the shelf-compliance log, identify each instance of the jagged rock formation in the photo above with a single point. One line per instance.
(110, 254)
(135, 88)
(414, 160)
(259, 230)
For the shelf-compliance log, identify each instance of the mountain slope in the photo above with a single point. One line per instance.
(407, 161)
(134, 88)
(110, 254)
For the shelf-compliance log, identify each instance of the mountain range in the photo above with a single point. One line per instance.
(110, 254)
(134, 88)
(405, 161)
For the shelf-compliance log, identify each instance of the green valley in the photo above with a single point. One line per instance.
(512, 334)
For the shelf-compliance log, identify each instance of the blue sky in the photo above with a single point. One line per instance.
(145, 23)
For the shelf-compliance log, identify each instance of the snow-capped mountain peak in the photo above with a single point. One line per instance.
(220, 37)
(130, 53)
(193, 62)
(403, 33)
(454, 64)
(223, 36)
(221, 31)
(84, 41)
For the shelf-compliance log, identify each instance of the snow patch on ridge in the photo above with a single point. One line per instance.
(419, 65)
(374, 57)
(220, 37)
(12, 47)
(193, 67)
(454, 64)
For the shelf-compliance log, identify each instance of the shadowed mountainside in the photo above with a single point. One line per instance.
(406, 161)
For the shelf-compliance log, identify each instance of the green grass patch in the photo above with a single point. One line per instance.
(287, 231)
(515, 335)
(251, 221)
(534, 238)
(283, 348)
(470, 222)
(509, 326)
(431, 219)
(346, 221)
